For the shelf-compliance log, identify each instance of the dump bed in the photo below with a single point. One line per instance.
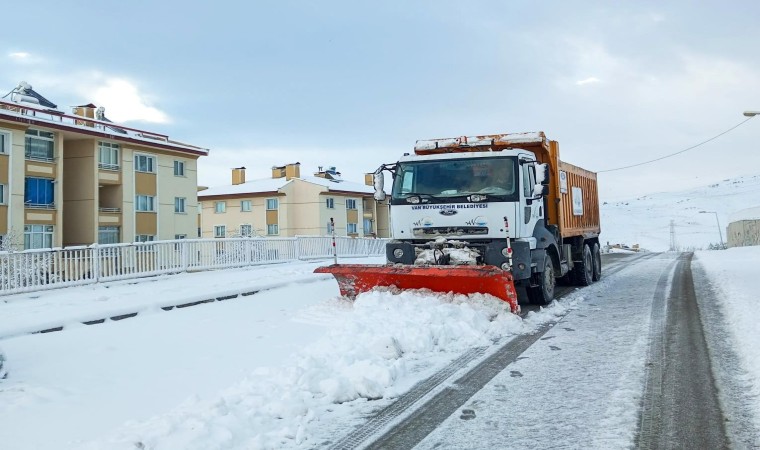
(578, 207)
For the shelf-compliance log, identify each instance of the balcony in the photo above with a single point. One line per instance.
(109, 216)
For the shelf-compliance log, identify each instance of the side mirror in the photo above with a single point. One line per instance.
(378, 180)
(540, 190)
(542, 174)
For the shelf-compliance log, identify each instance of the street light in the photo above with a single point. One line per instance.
(720, 231)
(751, 113)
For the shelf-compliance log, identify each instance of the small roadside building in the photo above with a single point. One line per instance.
(744, 227)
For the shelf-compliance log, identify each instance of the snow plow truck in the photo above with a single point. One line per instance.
(495, 214)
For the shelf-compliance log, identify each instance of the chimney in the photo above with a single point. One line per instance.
(87, 110)
(288, 171)
(238, 175)
(369, 179)
(293, 171)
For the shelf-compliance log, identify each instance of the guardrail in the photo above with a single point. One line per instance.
(34, 270)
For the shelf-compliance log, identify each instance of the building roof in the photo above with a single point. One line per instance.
(275, 184)
(31, 115)
(340, 185)
(745, 214)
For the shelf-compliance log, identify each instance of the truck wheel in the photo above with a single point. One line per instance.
(543, 293)
(583, 272)
(596, 254)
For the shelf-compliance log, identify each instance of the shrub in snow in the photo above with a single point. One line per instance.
(3, 372)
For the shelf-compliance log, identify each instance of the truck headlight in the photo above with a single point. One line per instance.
(398, 253)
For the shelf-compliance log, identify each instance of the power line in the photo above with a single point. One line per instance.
(679, 152)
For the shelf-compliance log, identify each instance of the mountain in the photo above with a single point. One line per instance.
(646, 220)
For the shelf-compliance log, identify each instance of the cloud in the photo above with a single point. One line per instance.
(23, 58)
(124, 102)
(590, 80)
(122, 98)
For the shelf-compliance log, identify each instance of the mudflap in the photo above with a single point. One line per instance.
(353, 279)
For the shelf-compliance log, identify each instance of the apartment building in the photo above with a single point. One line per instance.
(287, 205)
(79, 178)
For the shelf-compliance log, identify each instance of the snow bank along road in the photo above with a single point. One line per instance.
(621, 363)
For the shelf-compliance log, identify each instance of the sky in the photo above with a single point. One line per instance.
(355, 84)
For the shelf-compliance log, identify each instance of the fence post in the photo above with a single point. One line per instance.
(95, 250)
(184, 244)
(297, 246)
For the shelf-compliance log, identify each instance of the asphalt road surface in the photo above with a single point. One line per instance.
(629, 365)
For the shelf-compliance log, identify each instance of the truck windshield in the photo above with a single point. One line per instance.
(449, 180)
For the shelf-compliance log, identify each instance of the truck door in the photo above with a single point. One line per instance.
(531, 208)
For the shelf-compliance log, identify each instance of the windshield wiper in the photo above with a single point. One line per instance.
(421, 198)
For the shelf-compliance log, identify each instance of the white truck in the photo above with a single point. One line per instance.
(474, 213)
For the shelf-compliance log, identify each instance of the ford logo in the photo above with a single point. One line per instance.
(448, 212)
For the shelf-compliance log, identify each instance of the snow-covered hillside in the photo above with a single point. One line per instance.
(646, 220)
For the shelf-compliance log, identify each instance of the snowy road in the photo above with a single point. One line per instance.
(577, 383)
(294, 366)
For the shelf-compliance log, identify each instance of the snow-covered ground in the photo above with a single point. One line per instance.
(646, 220)
(257, 371)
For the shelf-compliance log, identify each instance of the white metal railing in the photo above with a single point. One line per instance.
(33, 270)
(109, 210)
(108, 166)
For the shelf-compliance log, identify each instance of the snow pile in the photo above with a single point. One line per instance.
(369, 356)
(734, 272)
(452, 251)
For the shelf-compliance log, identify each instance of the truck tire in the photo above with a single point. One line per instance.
(583, 272)
(596, 254)
(543, 293)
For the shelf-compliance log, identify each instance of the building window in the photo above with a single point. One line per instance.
(179, 204)
(108, 156)
(272, 204)
(145, 163)
(179, 168)
(145, 238)
(180, 236)
(5, 143)
(273, 229)
(246, 230)
(39, 193)
(330, 203)
(3, 194)
(329, 228)
(368, 227)
(245, 205)
(220, 207)
(38, 236)
(108, 235)
(351, 228)
(220, 231)
(350, 203)
(145, 203)
(38, 145)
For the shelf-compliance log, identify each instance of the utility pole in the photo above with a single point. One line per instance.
(672, 236)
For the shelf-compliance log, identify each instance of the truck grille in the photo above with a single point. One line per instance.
(449, 231)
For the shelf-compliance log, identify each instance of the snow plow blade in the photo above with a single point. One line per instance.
(353, 279)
